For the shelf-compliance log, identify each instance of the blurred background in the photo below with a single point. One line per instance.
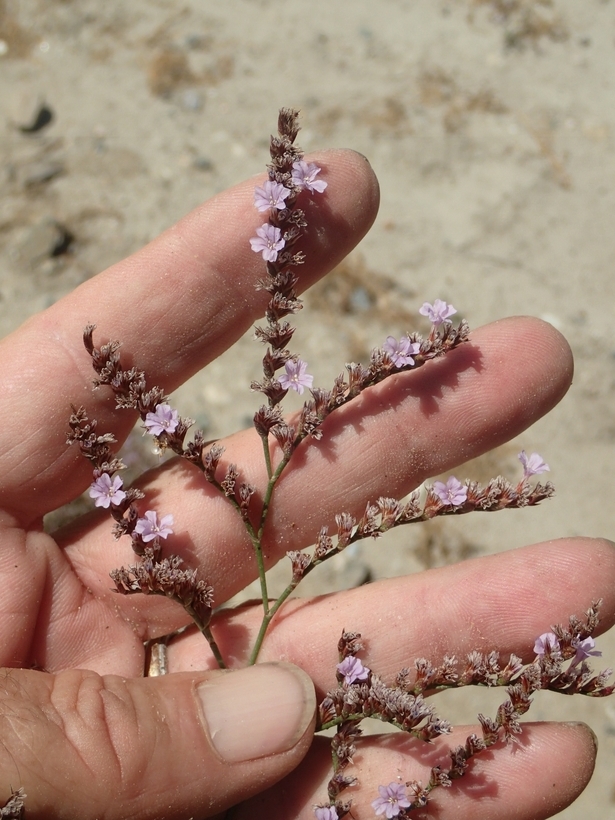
(491, 126)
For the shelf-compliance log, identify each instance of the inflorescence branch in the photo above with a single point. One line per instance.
(450, 498)
(560, 665)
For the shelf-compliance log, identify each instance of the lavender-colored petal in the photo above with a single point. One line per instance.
(453, 493)
(584, 649)
(546, 640)
(325, 813)
(438, 313)
(352, 669)
(401, 352)
(533, 464)
(391, 801)
(165, 526)
(163, 420)
(105, 491)
(304, 176)
(295, 376)
(149, 528)
(268, 241)
(270, 195)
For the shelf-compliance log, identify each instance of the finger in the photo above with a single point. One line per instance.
(499, 602)
(175, 305)
(385, 443)
(532, 779)
(412, 428)
(177, 746)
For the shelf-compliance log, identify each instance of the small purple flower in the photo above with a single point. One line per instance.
(391, 801)
(304, 176)
(325, 813)
(148, 528)
(453, 493)
(163, 420)
(548, 640)
(438, 313)
(268, 241)
(352, 669)
(532, 465)
(584, 649)
(105, 492)
(270, 195)
(295, 377)
(402, 351)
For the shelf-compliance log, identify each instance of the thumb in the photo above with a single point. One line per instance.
(175, 746)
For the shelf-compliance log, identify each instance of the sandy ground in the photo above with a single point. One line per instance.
(491, 126)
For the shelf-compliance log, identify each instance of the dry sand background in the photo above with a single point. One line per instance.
(491, 126)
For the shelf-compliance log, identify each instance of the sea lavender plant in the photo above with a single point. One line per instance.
(561, 654)
(560, 665)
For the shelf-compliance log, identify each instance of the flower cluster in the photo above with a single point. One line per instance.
(154, 575)
(561, 654)
(276, 240)
(442, 498)
(272, 196)
(453, 493)
(107, 488)
(560, 665)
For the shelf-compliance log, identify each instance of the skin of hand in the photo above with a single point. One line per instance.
(82, 731)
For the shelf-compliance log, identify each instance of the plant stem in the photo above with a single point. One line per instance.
(267, 618)
(206, 631)
(262, 572)
(267, 454)
(269, 492)
(257, 540)
(214, 647)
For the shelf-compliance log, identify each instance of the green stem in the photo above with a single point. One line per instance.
(359, 716)
(257, 540)
(267, 618)
(262, 572)
(267, 454)
(269, 492)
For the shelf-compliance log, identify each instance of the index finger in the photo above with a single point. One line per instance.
(175, 305)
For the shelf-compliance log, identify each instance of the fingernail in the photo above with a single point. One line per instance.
(579, 723)
(257, 711)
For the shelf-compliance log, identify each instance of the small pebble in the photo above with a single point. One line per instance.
(43, 117)
(203, 164)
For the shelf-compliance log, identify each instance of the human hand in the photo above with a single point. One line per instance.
(88, 736)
